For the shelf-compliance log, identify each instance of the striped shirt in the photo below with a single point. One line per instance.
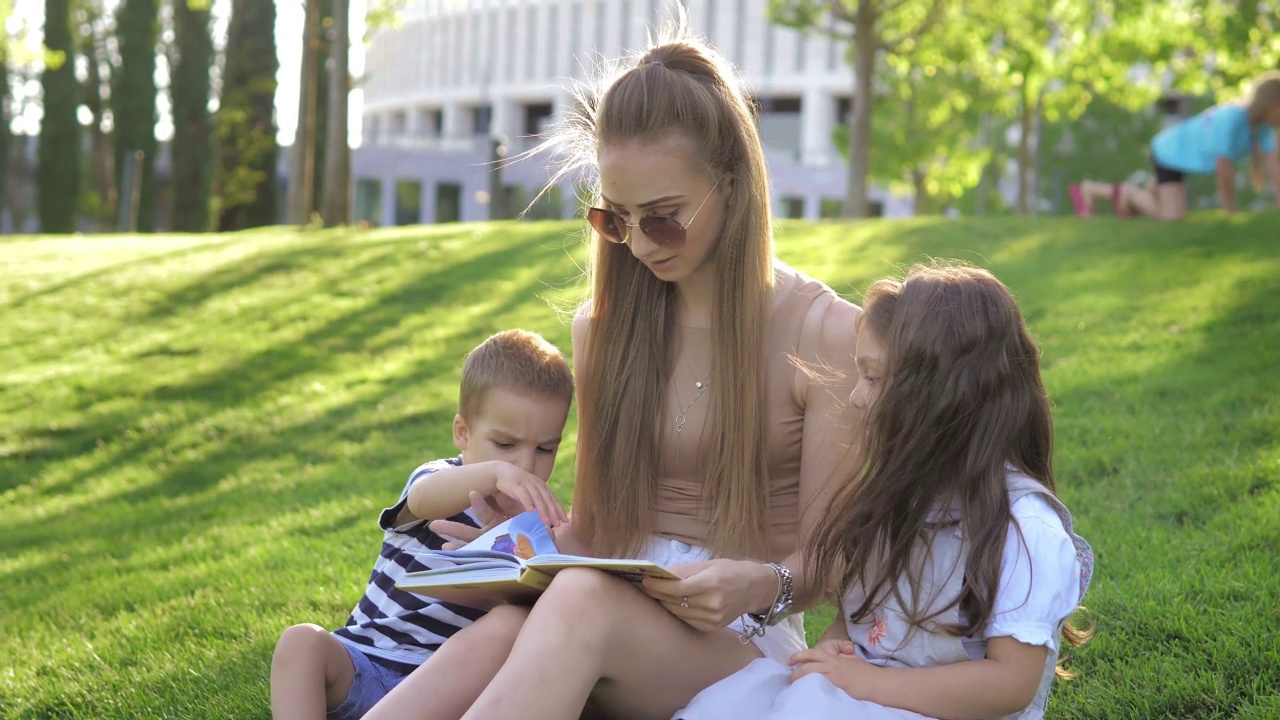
(397, 629)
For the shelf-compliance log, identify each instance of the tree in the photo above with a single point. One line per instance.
(875, 28)
(133, 104)
(6, 142)
(93, 18)
(337, 170)
(58, 176)
(1228, 43)
(1049, 60)
(192, 125)
(302, 155)
(246, 129)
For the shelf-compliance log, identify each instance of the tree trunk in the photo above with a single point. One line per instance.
(302, 155)
(100, 146)
(58, 176)
(5, 138)
(865, 50)
(133, 101)
(1026, 120)
(321, 136)
(246, 128)
(337, 171)
(193, 132)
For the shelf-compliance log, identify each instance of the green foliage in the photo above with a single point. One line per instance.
(133, 101)
(193, 127)
(59, 174)
(198, 432)
(246, 129)
(1241, 36)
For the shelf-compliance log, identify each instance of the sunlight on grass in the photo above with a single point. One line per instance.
(198, 432)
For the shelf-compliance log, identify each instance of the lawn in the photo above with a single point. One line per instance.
(197, 433)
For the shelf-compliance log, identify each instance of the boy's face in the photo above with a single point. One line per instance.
(521, 428)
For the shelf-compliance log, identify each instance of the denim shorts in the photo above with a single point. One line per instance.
(369, 683)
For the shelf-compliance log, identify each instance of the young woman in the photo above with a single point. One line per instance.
(955, 564)
(707, 431)
(1209, 143)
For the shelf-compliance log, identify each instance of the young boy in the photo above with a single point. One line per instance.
(515, 396)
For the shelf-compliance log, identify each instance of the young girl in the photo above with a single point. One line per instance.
(956, 563)
(1211, 142)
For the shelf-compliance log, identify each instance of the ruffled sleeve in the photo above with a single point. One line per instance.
(1039, 579)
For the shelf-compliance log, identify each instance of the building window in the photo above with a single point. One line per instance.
(844, 106)
(408, 202)
(368, 205)
(536, 118)
(780, 123)
(432, 120)
(793, 207)
(481, 119)
(373, 129)
(448, 202)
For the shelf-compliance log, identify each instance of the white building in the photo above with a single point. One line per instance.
(458, 74)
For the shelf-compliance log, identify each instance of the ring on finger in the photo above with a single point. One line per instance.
(684, 602)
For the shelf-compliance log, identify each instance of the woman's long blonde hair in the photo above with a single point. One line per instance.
(1263, 98)
(679, 86)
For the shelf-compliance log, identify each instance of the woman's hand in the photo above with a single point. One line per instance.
(715, 592)
(836, 660)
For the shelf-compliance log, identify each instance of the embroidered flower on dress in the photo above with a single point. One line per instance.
(876, 633)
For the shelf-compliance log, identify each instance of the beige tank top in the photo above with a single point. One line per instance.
(799, 306)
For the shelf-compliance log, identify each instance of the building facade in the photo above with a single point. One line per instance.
(459, 77)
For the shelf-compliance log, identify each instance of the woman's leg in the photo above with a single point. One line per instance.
(592, 632)
(1166, 201)
(453, 677)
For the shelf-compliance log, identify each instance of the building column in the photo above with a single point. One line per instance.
(817, 122)
(454, 122)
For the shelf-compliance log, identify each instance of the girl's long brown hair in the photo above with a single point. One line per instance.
(961, 397)
(1264, 98)
(679, 87)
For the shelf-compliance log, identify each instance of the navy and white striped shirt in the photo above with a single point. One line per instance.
(395, 628)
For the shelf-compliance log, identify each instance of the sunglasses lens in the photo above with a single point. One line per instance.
(606, 223)
(663, 230)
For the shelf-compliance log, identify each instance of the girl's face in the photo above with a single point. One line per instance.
(665, 178)
(870, 360)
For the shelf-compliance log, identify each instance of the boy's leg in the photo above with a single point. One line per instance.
(446, 685)
(311, 673)
(1166, 201)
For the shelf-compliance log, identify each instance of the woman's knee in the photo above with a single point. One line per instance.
(583, 595)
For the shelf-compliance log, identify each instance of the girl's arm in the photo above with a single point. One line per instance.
(1004, 682)
(1271, 164)
(1227, 185)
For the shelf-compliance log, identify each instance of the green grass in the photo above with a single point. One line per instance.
(197, 432)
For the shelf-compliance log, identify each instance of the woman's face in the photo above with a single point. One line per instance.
(665, 178)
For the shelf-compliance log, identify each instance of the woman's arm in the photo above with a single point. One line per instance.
(831, 426)
(1002, 683)
(1227, 185)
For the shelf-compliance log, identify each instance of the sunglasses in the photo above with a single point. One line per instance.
(662, 230)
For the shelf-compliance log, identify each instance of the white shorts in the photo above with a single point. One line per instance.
(779, 642)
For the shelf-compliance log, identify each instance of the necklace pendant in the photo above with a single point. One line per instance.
(680, 421)
(698, 384)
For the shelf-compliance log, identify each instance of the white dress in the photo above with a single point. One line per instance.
(1032, 612)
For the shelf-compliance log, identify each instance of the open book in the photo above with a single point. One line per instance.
(513, 562)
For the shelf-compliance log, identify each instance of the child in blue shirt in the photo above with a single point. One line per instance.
(515, 396)
(1209, 143)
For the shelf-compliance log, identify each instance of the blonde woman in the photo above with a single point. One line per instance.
(1209, 143)
(704, 444)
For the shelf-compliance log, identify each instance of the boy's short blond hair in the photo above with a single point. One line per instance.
(517, 360)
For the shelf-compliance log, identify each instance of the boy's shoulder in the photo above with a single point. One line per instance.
(432, 466)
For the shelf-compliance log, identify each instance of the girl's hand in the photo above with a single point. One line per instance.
(715, 592)
(845, 670)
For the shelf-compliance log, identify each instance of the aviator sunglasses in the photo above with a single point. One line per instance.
(664, 230)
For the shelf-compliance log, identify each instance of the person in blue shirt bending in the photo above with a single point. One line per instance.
(1209, 143)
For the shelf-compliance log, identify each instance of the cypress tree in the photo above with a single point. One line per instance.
(133, 102)
(193, 131)
(246, 127)
(58, 176)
